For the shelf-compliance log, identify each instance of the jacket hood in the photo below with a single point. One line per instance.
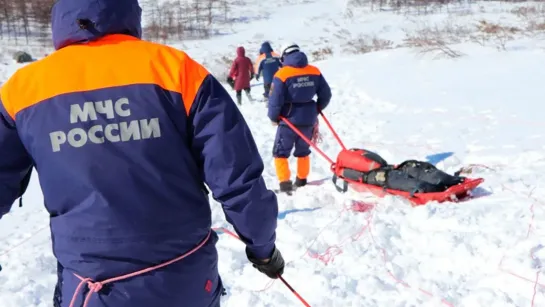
(241, 51)
(80, 21)
(296, 59)
(265, 48)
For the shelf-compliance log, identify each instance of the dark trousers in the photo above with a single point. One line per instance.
(57, 294)
(286, 139)
(239, 95)
(267, 89)
(412, 176)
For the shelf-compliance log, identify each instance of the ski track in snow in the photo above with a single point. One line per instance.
(484, 109)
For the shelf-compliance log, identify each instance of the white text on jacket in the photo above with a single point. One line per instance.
(121, 131)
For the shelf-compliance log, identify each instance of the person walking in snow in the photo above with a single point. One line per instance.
(262, 55)
(126, 136)
(240, 74)
(268, 64)
(292, 96)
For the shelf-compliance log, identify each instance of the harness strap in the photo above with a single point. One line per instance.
(96, 286)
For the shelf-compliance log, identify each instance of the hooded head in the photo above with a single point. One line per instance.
(241, 51)
(292, 56)
(265, 48)
(80, 21)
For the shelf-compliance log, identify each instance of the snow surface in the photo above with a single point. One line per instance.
(482, 111)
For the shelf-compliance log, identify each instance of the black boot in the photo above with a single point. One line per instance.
(286, 186)
(249, 96)
(300, 182)
(239, 100)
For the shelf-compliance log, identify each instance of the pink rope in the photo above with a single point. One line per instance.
(96, 286)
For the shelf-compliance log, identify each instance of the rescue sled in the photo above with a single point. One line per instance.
(454, 193)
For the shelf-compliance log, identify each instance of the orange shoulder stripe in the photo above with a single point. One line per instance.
(288, 72)
(192, 77)
(260, 58)
(4, 99)
(116, 60)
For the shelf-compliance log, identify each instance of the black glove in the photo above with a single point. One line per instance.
(231, 82)
(257, 78)
(271, 268)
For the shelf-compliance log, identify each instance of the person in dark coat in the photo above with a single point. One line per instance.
(410, 176)
(292, 96)
(129, 140)
(269, 64)
(240, 74)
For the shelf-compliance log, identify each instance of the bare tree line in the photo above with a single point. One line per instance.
(22, 21)
(424, 6)
(183, 19)
(25, 21)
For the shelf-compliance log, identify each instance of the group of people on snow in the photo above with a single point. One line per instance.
(290, 84)
(243, 71)
(129, 140)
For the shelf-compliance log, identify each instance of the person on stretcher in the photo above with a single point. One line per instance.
(411, 176)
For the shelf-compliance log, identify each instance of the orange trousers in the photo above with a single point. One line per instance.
(283, 168)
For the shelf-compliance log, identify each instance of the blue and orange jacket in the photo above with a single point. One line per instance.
(124, 135)
(293, 90)
(262, 54)
(269, 63)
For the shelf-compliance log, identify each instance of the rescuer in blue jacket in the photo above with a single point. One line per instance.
(268, 64)
(125, 135)
(292, 96)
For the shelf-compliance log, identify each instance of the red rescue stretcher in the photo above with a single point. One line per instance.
(454, 193)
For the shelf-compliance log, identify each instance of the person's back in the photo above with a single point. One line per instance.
(265, 49)
(242, 72)
(295, 86)
(124, 137)
(269, 64)
(292, 97)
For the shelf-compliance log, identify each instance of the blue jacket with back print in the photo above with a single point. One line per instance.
(293, 89)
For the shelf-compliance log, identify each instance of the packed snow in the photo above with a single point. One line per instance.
(482, 112)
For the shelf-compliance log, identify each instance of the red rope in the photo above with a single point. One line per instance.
(333, 131)
(299, 297)
(332, 251)
(336, 250)
(535, 280)
(299, 133)
(293, 291)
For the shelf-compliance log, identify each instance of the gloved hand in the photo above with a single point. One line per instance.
(257, 78)
(272, 267)
(231, 82)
